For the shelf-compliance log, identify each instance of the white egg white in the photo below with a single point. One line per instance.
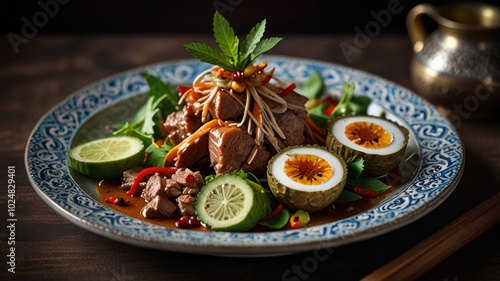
(398, 138)
(277, 169)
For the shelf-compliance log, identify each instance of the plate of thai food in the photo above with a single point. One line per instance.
(239, 153)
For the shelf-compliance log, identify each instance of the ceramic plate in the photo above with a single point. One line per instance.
(432, 167)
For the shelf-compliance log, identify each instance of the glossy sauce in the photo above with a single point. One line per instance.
(134, 204)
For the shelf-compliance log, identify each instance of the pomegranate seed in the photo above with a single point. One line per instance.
(183, 222)
(119, 201)
(193, 221)
(190, 178)
(237, 76)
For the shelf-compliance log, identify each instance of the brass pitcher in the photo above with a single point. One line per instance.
(457, 66)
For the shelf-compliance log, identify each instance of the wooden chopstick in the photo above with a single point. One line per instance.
(422, 257)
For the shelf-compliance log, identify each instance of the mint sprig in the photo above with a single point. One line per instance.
(233, 54)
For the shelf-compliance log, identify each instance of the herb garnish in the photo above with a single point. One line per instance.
(234, 54)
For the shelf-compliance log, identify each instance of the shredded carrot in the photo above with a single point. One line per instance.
(159, 142)
(207, 127)
(318, 132)
(257, 112)
(315, 127)
(261, 66)
(319, 138)
(203, 86)
(192, 96)
(252, 154)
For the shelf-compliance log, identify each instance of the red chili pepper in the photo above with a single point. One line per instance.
(288, 89)
(110, 199)
(146, 172)
(183, 89)
(330, 109)
(365, 192)
(295, 222)
(266, 79)
(274, 213)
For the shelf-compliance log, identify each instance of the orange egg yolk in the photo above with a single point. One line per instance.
(308, 169)
(368, 135)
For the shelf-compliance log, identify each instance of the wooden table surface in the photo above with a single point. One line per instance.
(48, 247)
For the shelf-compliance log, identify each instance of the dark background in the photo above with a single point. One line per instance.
(173, 17)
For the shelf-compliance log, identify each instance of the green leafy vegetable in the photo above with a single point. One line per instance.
(319, 108)
(313, 88)
(355, 179)
(163, 94)
(156, 154)
(233, 55)
(350, 104)
(279, 221)
(355, 168)
(147, 121)
(368, 182)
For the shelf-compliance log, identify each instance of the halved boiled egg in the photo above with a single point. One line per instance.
(308, 178)
(379, 141)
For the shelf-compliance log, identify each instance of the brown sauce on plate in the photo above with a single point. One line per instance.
(134, 204)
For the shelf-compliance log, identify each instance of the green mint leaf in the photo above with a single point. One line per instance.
(264, 46)
(251, 41)
(208, 54)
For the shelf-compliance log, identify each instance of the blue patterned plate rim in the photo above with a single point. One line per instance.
(438, 145)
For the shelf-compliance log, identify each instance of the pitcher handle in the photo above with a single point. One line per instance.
(415, 27)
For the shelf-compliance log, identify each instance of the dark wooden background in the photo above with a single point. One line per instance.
(181, 16)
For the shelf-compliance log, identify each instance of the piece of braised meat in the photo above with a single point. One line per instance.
(181, 124)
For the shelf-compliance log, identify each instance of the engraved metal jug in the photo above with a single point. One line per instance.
(457, 66)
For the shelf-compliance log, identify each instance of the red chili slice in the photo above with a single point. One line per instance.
(146, 172)
(274, 213)
(365, 192)
(183, 89)
(288, 89)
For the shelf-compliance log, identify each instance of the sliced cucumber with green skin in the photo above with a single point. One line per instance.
(231, 203)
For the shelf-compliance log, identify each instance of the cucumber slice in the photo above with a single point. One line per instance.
(230, 203)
